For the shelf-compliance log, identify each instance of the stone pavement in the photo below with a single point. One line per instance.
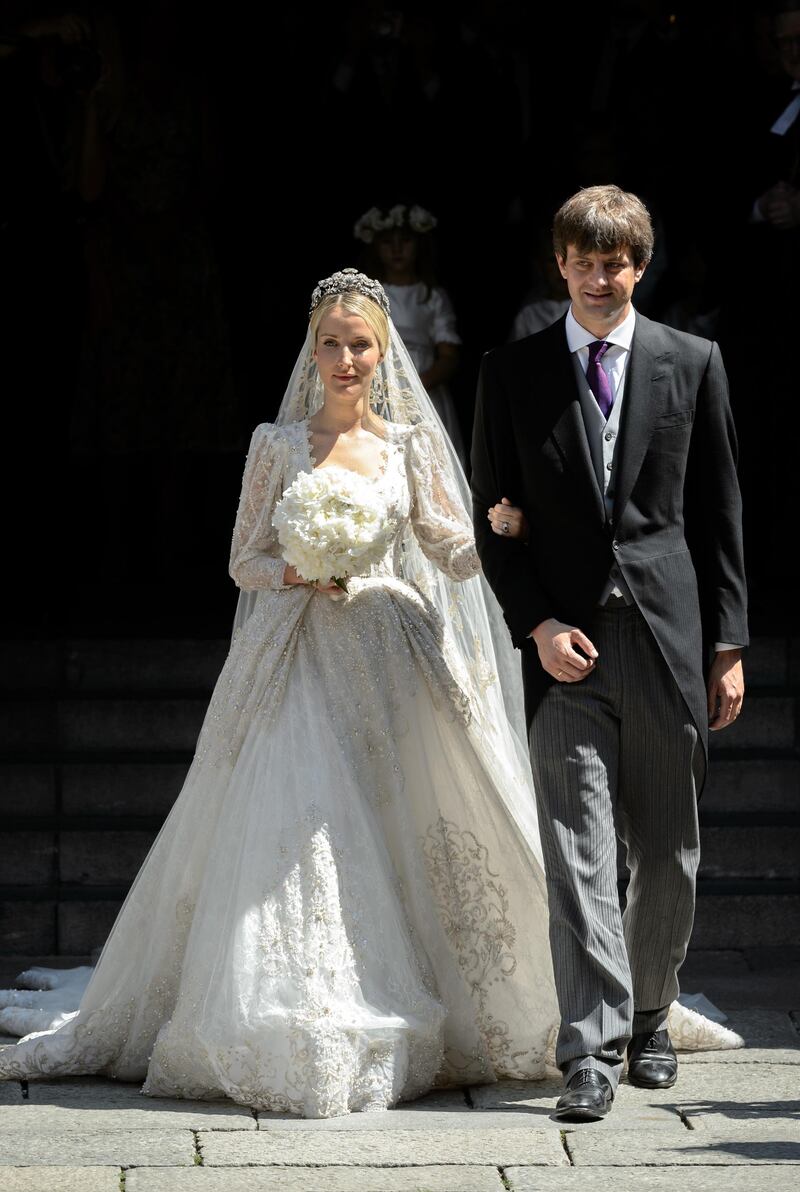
(733, 1119)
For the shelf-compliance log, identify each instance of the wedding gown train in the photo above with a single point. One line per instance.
(44, 998)
(346, 904)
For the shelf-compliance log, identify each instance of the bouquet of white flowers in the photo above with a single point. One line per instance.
(331, 526)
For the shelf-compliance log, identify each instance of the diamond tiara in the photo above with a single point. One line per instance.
(346, 280)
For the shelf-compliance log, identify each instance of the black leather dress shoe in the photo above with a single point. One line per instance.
(652, 1062)
(587, 1097)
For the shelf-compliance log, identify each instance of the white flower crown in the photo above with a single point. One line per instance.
(375, 220)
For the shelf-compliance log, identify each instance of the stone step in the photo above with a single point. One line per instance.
(101, 664)
(144, 665)
(29, 788)
(121, 788)
(102, 856)
(31, 927)
(767, 723)
(113, 664)
(152, 664)
(752, 785)
(750, 851)
(28, 858)
(111, 789)
(763, 789)
(70, 726)
(28, 927)
(772, 662)
(731, 915)
(157, 723)
(727, 919)
(136, 664)
(83, 857)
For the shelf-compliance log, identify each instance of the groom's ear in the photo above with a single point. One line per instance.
(562, 265)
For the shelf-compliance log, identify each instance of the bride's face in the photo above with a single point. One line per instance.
(347, 354)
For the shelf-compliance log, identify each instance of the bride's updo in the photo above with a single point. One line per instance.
(353, 303)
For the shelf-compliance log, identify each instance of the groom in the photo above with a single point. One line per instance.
(614, 435)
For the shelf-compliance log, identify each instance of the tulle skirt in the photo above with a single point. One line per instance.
(346, 905)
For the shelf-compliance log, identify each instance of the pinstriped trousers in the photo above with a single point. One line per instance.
(617, 752)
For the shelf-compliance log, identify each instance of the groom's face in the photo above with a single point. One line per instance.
(600, 285)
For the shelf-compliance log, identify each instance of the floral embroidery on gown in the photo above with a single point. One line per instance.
(345, 906)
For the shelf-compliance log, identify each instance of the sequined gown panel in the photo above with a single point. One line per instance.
(340, 911)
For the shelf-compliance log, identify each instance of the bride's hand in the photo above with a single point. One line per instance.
(330, 588)
(508, 520)
(291, 577)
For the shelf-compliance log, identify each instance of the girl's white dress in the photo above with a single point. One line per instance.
(424, 319)
(345, 906)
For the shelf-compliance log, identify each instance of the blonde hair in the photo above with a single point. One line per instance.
(353, 303)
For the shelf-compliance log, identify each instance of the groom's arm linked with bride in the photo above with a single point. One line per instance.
(614, 435)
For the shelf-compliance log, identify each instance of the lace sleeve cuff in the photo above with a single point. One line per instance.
(264, 571)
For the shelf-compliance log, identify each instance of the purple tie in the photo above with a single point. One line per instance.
(598, 381)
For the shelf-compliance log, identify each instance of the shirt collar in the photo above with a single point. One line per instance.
(578, 337)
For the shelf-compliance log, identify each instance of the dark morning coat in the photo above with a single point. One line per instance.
(675, 530)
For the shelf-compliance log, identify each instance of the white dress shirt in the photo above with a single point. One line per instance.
(615, 360)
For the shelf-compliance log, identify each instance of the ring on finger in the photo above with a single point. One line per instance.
(505, 527)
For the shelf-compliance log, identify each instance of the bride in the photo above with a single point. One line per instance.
(346, 905)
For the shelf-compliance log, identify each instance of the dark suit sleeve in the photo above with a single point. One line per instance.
(713, 510)
(507, 565)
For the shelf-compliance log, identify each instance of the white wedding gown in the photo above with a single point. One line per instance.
(346, 905)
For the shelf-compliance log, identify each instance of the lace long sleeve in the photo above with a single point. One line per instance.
(439, 516)
(256, 560)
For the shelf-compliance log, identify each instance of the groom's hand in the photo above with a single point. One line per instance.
(556, 644)
(508, 520)
(725, 689)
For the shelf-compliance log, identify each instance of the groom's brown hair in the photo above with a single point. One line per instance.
(601, 219)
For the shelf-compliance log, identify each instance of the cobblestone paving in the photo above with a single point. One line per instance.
(733, 1118)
